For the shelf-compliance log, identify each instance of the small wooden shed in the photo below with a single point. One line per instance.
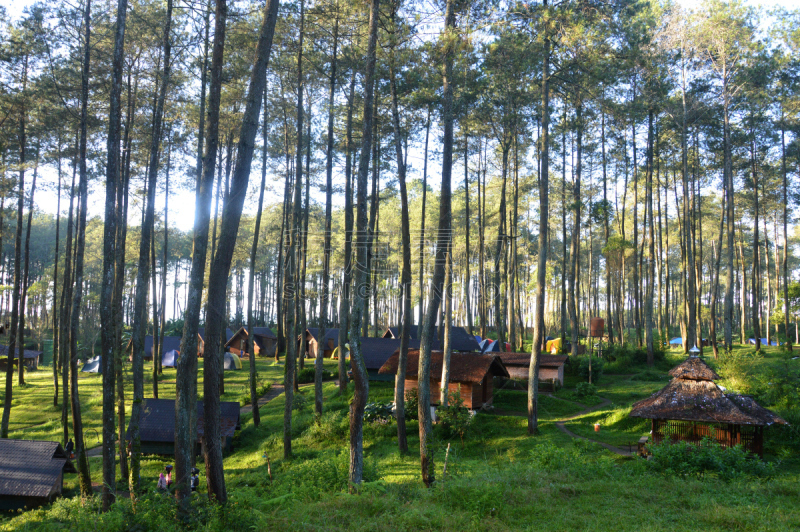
(264, 340)
(551, 367)
(329, 342)
(692, 407)
(31, 472)
(31, 358)
(312, 338)
(471, 375)
(157, 425)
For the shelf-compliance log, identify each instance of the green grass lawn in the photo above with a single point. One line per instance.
(499, 478)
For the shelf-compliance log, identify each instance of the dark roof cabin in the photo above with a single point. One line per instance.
(460, 338)
(157, 426)
(31, 472)
(692, 407)
(264, 340)
(312, 338)
(329, 342)
(470, 374)
(30, 357)
(551, 367)
(377, 351)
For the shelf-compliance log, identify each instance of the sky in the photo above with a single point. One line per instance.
(182, 197)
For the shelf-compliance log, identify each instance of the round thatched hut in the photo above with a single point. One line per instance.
(692, 407)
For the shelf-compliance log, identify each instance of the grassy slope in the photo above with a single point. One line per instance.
(499, 479)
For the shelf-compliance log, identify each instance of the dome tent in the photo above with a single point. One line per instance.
(232, 361)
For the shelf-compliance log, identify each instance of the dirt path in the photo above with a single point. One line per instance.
(560, 424)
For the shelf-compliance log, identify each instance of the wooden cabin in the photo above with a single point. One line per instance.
(312, 339)
(264, 340)
(329, 342)
(31, 472)
(31, 358)
(551, 367)
(459, 337)
(157, 425)
(692, 407)
(471, 375)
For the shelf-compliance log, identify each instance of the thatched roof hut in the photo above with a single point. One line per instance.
(692, 406)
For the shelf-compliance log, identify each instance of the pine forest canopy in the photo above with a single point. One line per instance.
(250, 153)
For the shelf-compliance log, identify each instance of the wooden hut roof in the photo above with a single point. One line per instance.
(27, 353)
(202, 332)
(524, 359)
(749, 406)
(263, 332)
(330, 334)
(464, 367)
(170, 343)
(30, 468)
(314, 332)
(694, 368)
(158, 419)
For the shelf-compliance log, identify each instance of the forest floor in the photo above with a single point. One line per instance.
(498, 478)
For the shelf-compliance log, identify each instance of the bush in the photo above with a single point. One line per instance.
(686, 459)
(597, 368)
(622, 357)
(260, 391)
(412, 404)
(455, 417)
(584, 389)
(378, 413)
(306, 375)
(332, 426)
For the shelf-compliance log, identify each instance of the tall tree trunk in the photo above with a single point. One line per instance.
(220, 267)
(252, 269)
(186, 370)
(399, 386)
(25, 274)
(66, 300)
(538, 328)
(56, 332)
(421, 295)
(467, 276)
(648, 331)
(143, 272)
(447, 345)
(326, 252)
(785, 257)
(756, 277)
(576, 226)
(727, 172)
(442, 250)
(344, 308)
(107, 315)
(360, 378)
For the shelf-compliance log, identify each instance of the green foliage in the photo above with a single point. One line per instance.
(597, 368)
(455, 417)
(412, 404)
(306, 375)
(584, 389)
(299, 403)
(333, 426)
(378, 413)
(624, 358)
(260, 391)
(686, 459)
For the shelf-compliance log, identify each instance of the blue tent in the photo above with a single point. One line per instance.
(92, 366)
(676, 341)
(752, 341)
(170, 358)
(478, 338)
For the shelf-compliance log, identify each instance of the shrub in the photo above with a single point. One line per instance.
(455, 417)
(623, 357)
(597, 368)
(260, 391)
(378, 413)
(412, 404)
(686, 459)
(584, 389)
(332, 426)
(299, 403)
(306, 375)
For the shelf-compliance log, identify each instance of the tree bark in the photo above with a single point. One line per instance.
(344, 312)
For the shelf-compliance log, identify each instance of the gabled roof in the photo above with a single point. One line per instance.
(202, 332)
(314, 332)
(460, 338)
(377, 351)
(524, 359)
(263, 332)
(170, 343)
(30, 468)
(27, 353)
(330, 334)
(464, 367)
(158, 419)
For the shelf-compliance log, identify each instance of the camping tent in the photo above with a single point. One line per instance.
(92, 366)
(676, 341)
(484, 344)
(478, 339)
(752, 341)
(493, 347)
(170, 358)
(553, 346)
(232, 361)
